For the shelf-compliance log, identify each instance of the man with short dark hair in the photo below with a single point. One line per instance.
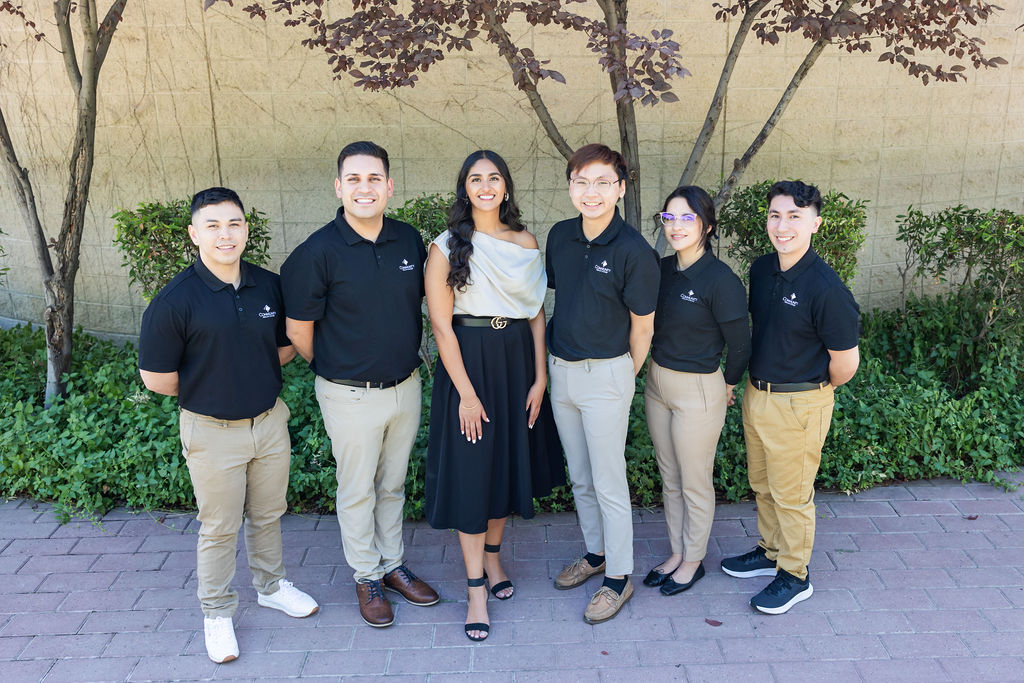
(215, 338)
(804, 344)
(354, 290)
(605, 276)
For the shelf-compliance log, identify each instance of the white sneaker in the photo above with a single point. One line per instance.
(289, 600)
(221, 645)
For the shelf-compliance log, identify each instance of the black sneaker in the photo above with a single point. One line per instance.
(749, 565)
(782, 593)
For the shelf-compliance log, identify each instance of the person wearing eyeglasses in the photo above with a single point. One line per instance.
(605, 277)
(702, 309)
(493, 446)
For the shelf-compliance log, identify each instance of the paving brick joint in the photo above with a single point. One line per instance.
(922, 581)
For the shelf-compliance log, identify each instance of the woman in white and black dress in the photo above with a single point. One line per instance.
(493, 446)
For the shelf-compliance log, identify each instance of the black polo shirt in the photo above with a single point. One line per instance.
(364, 298)
(598, 283)
(692, 306)
(798, 315)
(222, 342)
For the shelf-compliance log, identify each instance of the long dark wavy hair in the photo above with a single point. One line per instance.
(460, 217)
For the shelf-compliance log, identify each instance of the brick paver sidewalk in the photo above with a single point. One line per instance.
(918, 582)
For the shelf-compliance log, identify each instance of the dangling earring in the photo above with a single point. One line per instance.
(506, 196)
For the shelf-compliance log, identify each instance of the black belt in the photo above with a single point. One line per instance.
(786, 388)
(498, 322)
(366, 385)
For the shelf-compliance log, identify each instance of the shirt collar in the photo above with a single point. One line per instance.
(698, 267)
(387, 231)
(799, 267)
(215, 283)
(607, 235)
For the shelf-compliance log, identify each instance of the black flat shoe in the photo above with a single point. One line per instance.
(655, 578)
(670, 587)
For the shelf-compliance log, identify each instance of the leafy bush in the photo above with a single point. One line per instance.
(841, 235)
(155, 245)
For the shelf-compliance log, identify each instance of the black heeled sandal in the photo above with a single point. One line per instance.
(502, 585)
(477, 625)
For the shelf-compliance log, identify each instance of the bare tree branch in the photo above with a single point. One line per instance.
(107, 28)
(507, 48)
(740, 165)
(26, 199)
(718, 100)
(62, 13)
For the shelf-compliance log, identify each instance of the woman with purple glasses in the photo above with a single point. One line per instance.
(702, 308)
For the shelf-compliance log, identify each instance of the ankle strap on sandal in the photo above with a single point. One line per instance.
(473, 583)
(488, 548)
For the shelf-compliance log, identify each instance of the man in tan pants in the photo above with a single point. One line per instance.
(353, 291)
(804, 344)
(214, 337)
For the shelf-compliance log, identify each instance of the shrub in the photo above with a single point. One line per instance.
(841, 235)
(155, 245)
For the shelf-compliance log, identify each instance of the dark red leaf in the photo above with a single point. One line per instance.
(712, 622)
(971, 517)
(604, 652)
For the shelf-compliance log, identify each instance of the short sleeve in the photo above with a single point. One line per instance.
(730, 301)
(304, 285)
(281, 332)
(643, 276)
(421, 249)
(441, 242)
(162, 338)
(838, 320)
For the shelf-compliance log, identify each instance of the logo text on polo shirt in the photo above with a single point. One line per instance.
(406, 266)
(603, 268)
(268, 313)
(790, 300)
(689, 296)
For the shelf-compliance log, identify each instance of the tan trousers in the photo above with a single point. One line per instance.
(685, 415)
(237, 466)
(784, 435)
(372, 432)
(590, 400)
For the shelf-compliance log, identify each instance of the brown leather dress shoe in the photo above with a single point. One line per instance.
(373, 606)
(409, 586)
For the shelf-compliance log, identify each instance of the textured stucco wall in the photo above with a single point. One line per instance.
(190, 99)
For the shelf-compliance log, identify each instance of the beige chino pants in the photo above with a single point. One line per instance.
(784, 434)
(590, 400)
(685, 415)
(372, 432)
(237, 467)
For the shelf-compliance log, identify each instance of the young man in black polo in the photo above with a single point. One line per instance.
(605, 276)
(215, 338)
(804, 344)
(353, 291)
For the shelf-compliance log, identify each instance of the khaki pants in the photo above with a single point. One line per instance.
(372, 432)
(237, 466)
(590, 400)
(784, 435)
(685, 415)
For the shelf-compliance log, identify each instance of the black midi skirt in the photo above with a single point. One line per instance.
(468, 484)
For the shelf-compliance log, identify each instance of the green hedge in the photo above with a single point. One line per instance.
(111, 442)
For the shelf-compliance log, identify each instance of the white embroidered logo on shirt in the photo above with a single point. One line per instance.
(689, 296)
(406, 266)
(790, 300)
(603, 268)
(268, 313)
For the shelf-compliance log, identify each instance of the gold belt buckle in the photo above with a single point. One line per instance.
(499, 322)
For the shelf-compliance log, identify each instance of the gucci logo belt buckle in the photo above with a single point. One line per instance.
(499, 322)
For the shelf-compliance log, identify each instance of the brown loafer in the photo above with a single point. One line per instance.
(576, 574)
(373, 606)
(606, 603)
(409, 586)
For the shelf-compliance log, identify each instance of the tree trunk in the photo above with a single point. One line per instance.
(615, 12)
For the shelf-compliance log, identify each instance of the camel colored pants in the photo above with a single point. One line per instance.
(237, 467)
(372, 432)
(784, 434)
(685, 415)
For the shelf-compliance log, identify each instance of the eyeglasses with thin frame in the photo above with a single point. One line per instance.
(665, 218)
(599, 184)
